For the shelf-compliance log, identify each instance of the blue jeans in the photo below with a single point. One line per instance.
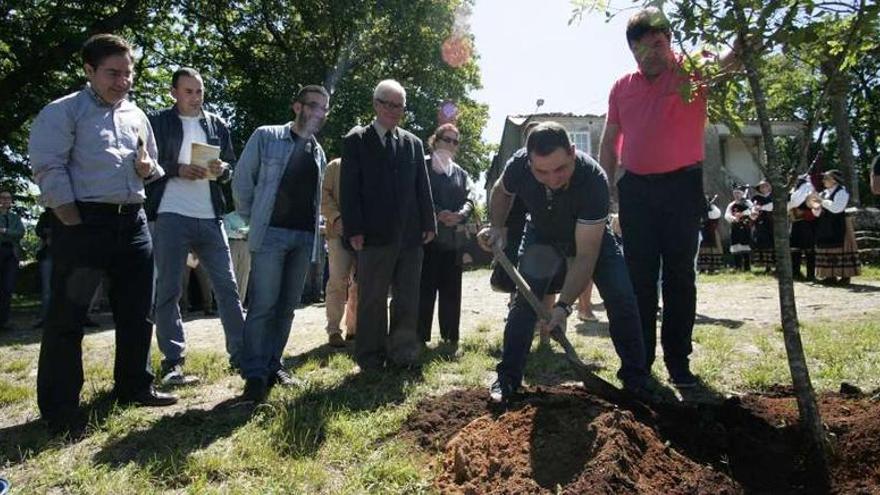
(612, 281)
(278, 274)
(176, 236)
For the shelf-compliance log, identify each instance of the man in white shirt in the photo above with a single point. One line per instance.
(188, 206)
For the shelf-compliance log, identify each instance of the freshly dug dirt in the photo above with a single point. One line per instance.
(563, 440)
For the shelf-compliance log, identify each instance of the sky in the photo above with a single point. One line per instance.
(528, 51)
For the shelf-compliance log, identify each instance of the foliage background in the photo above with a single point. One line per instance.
(253, 56)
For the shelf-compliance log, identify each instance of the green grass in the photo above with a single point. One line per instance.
(869, 272)
(338, 434)
(15, 365)
(11, 393)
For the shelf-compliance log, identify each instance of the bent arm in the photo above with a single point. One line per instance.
(588, 242)
(500, 202)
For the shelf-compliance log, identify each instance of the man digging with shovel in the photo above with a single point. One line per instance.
(566, 193)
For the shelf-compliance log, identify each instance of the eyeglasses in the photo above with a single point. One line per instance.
(315, 106)
(449, 140)
(390, 105)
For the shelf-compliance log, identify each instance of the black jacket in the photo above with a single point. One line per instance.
(385, 198)
(169, 135)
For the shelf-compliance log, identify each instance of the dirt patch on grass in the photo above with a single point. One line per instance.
(562, 440)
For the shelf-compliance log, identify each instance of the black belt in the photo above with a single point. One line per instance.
(109, 208)
(668, 175)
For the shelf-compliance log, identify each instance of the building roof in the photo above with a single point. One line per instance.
(524, 117)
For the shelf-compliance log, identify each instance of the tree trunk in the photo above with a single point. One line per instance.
(840, 117)
(810, 419)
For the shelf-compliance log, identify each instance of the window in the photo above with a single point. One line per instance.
(581, 141)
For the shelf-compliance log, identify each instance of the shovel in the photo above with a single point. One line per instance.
(592, 382)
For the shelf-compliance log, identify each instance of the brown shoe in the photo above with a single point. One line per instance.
(350, 336)
(336, 340)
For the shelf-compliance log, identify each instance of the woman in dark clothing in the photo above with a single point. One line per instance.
(442, 267)
(762, 235)
(837, 257)
(711, 255)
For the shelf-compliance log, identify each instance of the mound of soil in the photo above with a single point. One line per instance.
(563, 440)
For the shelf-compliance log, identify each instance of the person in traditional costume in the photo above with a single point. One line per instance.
(803, 227)
(762, 226)
(711, 255)
(737, 214)
(837, 256)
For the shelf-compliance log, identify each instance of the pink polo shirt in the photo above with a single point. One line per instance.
(659, 131)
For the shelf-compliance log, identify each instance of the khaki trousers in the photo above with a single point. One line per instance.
(341, 293)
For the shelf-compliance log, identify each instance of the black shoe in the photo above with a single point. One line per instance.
(151, 398)
(639, 393)
(501, 393)
(38, 324)
(407, 367)
(70, 425)
(90, 323)
(683, 379)
(285, 379)
(336, 340)
(255, 391)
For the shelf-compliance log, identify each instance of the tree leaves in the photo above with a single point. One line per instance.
(253, 55)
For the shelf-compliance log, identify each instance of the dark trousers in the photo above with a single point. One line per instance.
(660, 221)
(441, 280)
(803, 246)
(610, 277)
(8, 273)
(381, 267)
(120, 245)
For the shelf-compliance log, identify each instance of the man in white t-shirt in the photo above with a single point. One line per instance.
(188, 206)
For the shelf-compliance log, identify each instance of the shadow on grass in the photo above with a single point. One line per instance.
(21, 442)
(861, 288)
(299, 426)
(25, 334)
(295, 420)
(724, 322)
(548, 366)
(168, 441)
(593, 329)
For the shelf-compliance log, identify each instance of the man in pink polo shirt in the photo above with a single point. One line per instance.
(654, 130)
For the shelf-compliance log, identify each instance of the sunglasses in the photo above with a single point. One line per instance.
(449, 140)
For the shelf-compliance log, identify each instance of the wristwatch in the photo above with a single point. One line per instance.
(565, 307)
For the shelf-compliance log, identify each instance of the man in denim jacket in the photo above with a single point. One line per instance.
(277, 190)
(187, 206)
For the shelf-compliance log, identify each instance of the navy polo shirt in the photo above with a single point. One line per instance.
(554, 214)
